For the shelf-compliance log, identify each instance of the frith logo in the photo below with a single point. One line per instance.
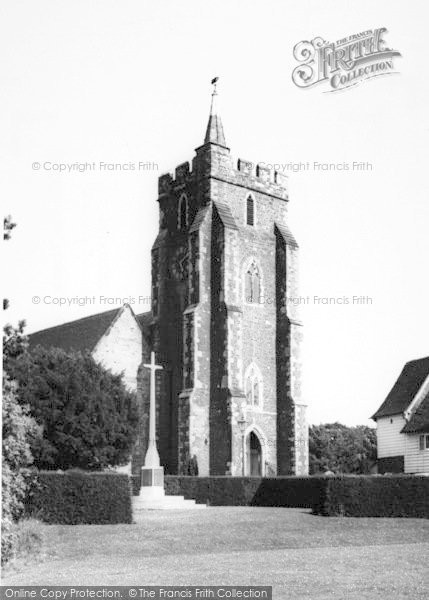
(344, 63)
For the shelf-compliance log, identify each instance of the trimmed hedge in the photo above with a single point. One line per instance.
(77, 497)
(390, 464)
(350, 496)
(247, 491)
(135, 482)
(366, 496)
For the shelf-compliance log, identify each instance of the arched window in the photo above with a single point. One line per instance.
(182, 221)
(253, 387)
(252, 284)
(250, 211)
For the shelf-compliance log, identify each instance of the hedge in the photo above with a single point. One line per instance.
(348, 495)
(77, 497)
(135, 482)
(244, 491)
(382, 496)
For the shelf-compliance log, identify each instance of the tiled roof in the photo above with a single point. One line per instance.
(419, 421)
(80, 335)
(406, 387)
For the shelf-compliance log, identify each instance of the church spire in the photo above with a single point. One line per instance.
(214, 132)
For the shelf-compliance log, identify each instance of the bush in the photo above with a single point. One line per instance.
(20, 538)
(76, 497)
(8, 539)
(88, 417)
(18, 430)
(29, 534)
(366, 496)
(26, 536)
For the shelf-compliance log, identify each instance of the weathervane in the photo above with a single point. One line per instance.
(214, 83)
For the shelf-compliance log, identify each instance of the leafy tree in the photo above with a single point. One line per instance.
(15, 343)
(88, 417)
(341, 449)
(8, 225)
(19, 431)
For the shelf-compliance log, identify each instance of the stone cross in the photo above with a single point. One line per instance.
(152, 456)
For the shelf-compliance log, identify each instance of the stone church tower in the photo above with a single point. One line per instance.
(224, 264)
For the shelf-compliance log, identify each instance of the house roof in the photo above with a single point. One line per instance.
(406, 387)
(419, 421)
(80, 335)
(83, 334)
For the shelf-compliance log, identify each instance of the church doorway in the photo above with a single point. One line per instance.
(254, 455)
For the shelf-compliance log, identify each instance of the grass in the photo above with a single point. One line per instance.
(300, 555)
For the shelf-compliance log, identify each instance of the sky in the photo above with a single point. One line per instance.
(103, 82)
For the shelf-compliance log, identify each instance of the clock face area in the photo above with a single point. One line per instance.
(179, 264)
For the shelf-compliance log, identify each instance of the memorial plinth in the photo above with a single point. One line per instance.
(152, 495)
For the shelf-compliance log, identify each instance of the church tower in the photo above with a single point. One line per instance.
(224, 264)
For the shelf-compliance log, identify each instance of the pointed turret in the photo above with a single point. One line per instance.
(214, 132)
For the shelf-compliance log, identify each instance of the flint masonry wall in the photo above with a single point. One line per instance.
(200, 409)
(252, 326)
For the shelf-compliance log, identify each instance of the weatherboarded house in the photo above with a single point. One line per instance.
(403, 422)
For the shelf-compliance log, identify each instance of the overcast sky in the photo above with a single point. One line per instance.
(129, 82)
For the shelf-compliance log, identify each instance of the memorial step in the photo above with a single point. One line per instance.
(164, 503)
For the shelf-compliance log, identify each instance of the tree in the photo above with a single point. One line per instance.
(19, 431)
(88, 417)
(15, 343)
(342, 449)
(8, 225)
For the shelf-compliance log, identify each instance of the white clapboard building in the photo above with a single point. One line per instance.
(403, 422)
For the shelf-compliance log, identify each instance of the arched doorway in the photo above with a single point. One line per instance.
(254, 455)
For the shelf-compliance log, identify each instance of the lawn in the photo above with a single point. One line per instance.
(300, 555)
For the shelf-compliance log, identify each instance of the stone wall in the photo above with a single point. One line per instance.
(205, 331)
